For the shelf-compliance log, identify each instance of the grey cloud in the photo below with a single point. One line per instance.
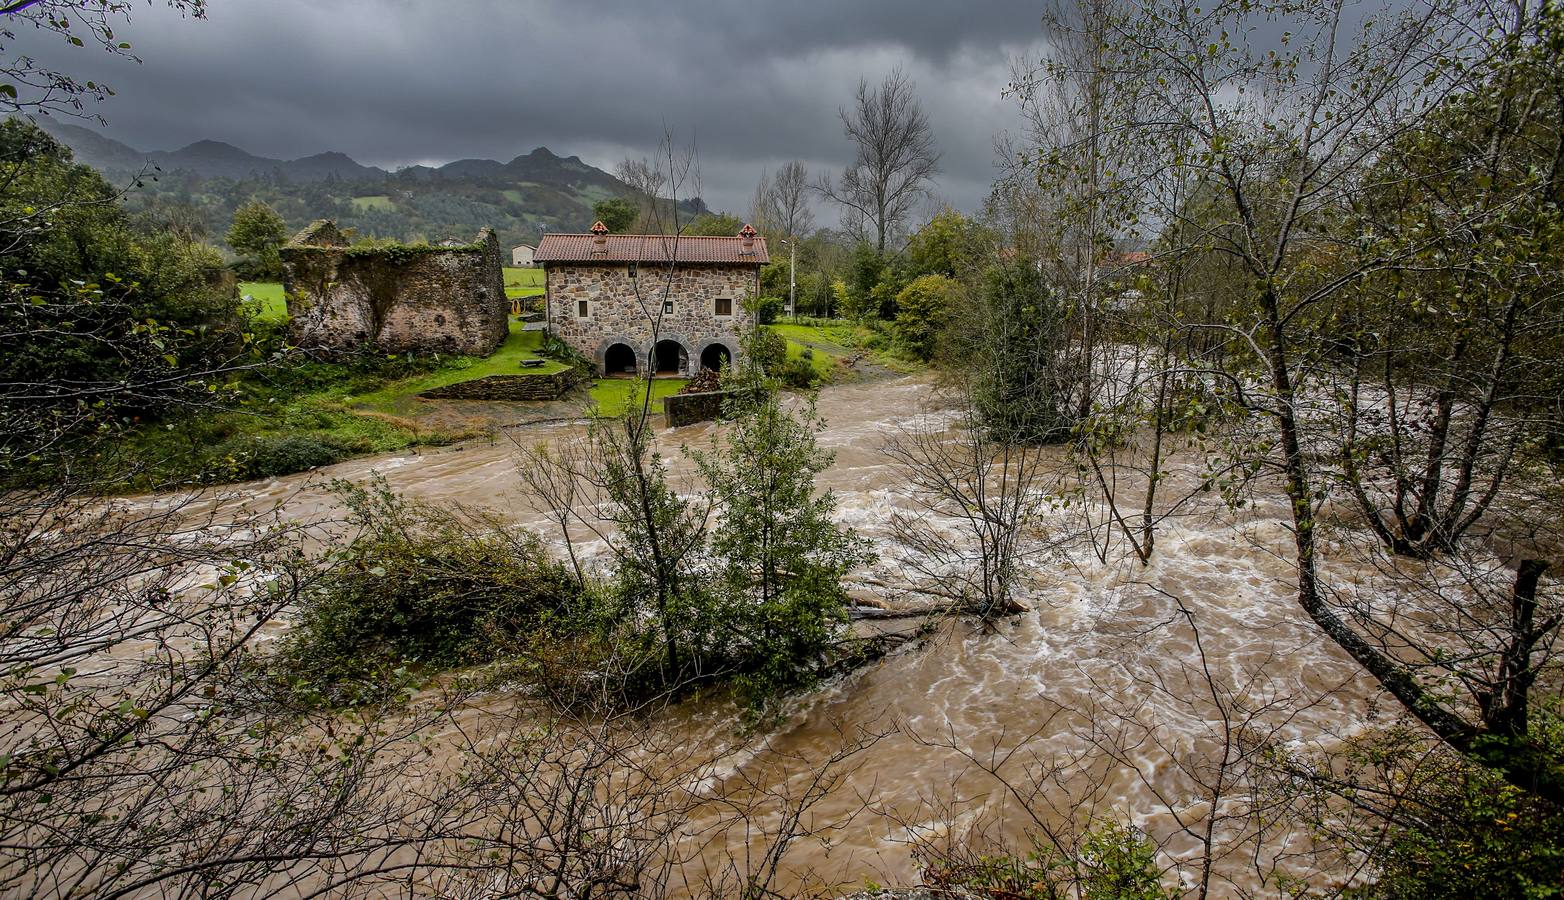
(394, 81)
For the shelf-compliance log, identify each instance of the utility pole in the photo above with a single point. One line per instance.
(792, 282)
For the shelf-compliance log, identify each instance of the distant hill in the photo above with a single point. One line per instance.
(204, 182)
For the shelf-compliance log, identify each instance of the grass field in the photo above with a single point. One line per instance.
(823, 362)
(843, 339)
(397, 397)
(272, 305)
(612, 396)
(380, 201)
(523, 282)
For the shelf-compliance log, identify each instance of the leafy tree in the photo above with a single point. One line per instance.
(779, 555)
(773, 278)
(923, 309)
(617, 213)
(950, 245)
(769, 309)
(865, 271)
(101, 324)
(417, 584)
(1013, 340)
(258, 233)
(714, 225)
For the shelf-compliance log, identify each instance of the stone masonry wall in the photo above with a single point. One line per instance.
(397, 298)
(508, 387)
(687, 409)
(615, 316)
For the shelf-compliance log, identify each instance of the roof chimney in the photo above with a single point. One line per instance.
(748, 234)
(599, 239)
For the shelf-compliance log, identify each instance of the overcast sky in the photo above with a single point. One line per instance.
(391, 82)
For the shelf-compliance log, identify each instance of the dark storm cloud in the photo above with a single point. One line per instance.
(394, 82)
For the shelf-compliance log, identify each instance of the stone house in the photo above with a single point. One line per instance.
(602, 292)
(521, 256)
(399, 298)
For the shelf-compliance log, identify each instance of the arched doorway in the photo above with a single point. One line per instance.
(670, 358)
(619, 359)
(716, 357)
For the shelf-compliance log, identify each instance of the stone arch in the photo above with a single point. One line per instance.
(670, 356)
(717, 354)
(620, 359)
(603, 346)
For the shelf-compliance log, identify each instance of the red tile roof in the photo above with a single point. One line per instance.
(1128, 258)
(650, 248)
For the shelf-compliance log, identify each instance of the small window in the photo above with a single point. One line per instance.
(667, 307)
(632, 270)
(583, 311)
(724, 306)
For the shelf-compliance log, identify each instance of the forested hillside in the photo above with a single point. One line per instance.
(198, 187)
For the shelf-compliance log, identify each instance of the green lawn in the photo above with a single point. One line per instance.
(613, 396)
(843, 339)
(523, 282)
(273, 305)
(396, 397)
(823, 362)
(380, 201)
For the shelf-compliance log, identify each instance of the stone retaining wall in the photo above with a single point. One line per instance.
(687, 409)
(507, 387)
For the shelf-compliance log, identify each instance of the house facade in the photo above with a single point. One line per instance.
(676, 304)
(521, 256)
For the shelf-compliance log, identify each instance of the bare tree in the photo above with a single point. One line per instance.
(991, 490)
(788, 200)
(895, 159)
(761, 212)
(647, 180)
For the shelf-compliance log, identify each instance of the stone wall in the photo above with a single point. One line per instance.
(687, 409)
(615, 316)
(507, 387)
(397, 298)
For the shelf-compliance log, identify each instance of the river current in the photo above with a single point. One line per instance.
(1105, 651)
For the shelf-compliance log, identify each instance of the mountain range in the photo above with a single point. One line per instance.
(201, 184)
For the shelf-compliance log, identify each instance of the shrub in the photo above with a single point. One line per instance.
(923, 310)
(416, 588)
(798, 373)
(769, 309)
(1112, 862)
(768, 350)
(267, 456)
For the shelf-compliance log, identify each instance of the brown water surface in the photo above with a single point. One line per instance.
(1097, 635)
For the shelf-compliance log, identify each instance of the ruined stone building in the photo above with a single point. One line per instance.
(603, 291)
(398, 298)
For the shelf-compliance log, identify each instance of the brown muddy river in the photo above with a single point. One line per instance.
(1094, 647)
